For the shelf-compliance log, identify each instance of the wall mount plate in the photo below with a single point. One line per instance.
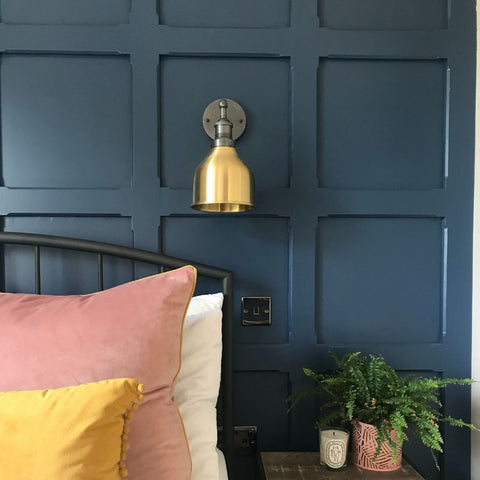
(235, 114)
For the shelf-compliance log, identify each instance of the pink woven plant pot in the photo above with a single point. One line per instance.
(364, 445)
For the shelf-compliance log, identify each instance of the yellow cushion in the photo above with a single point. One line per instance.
(70, 433)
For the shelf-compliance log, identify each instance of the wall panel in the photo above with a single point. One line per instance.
(65, 12)
(260, 85)
(383, 14)
(261, 402)
(379, 279)
(66, 120)
(221, 13)
(255, 248)
(381, 123)
(65, 272)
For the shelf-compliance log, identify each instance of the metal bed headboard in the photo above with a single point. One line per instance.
(102, 249)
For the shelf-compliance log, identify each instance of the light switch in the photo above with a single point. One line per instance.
(256, 310)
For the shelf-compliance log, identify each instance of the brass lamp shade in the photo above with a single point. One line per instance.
(223, 183)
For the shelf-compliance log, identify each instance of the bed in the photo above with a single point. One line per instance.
(80, 350)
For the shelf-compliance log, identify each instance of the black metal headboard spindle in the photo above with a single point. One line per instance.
(100, 271)
(38, 285)
(101, 249)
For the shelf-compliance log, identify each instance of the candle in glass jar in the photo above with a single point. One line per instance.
(334, 447)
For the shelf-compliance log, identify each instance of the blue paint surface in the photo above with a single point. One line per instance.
(360, 132)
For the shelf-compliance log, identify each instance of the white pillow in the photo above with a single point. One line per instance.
(198, 383)
(203, 304)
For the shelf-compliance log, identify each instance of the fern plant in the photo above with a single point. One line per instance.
(367, 389)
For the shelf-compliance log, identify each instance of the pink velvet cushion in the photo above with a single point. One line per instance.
(133, 330)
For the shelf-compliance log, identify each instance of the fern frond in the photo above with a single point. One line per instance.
(457, 422)
(374, 375)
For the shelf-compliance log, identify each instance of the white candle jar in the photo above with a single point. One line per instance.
(334, 447)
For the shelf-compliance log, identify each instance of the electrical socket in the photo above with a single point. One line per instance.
(245, 439)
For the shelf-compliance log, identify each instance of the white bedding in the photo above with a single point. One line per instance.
(198, 384)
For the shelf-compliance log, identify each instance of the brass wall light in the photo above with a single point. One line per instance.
(222, 182)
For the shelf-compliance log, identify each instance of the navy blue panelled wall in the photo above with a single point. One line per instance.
(360, 134)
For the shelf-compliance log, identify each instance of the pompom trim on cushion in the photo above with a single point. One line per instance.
(126, 430)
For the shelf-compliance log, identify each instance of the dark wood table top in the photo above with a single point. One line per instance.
(306, 466)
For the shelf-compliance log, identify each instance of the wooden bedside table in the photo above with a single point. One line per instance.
(306, 466)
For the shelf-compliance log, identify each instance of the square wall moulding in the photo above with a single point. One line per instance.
(260, 400)
(255, 249)
(65, 12)
(382, 124)
(64, 271)
(260, 85)
(225, 13)
(66, 121)
(383, 14)
(380, 279)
